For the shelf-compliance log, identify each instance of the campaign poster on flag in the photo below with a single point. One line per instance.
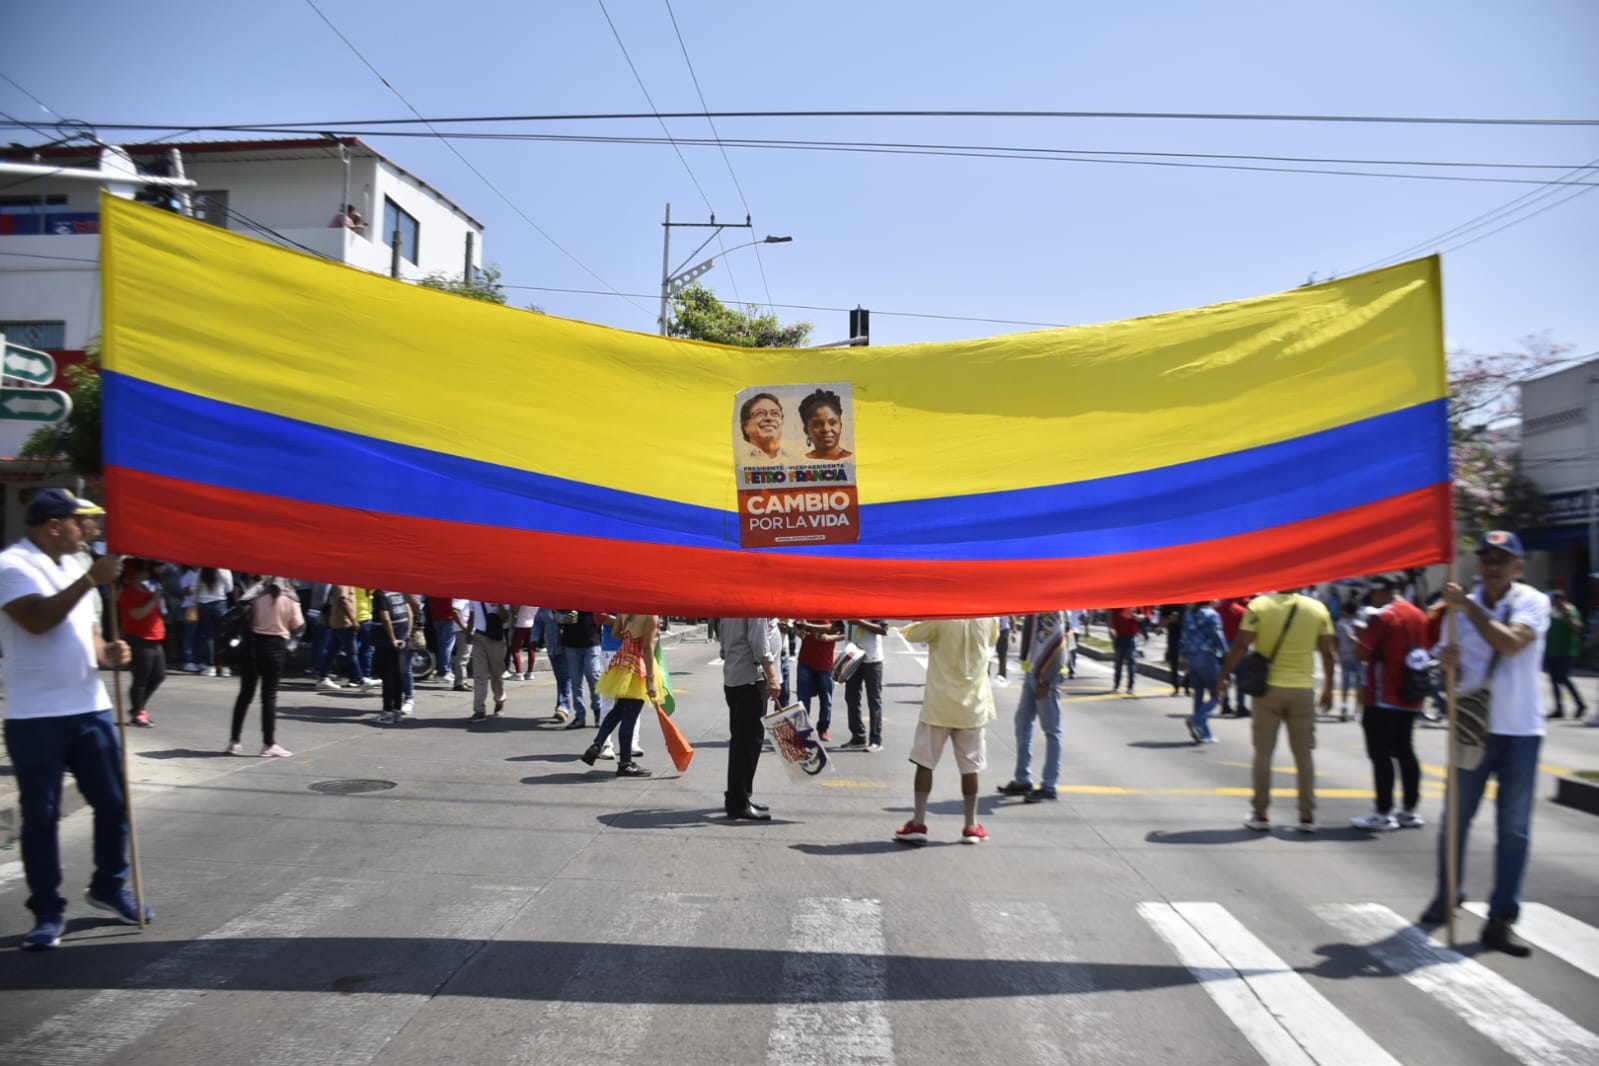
(794, 454)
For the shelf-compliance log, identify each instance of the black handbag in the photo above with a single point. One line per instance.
(1257, 667)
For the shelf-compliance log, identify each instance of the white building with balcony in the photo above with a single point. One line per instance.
(288, 192)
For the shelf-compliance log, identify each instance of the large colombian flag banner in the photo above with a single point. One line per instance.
(271, 412)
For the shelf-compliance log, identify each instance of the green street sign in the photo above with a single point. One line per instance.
(34, 405)
(28, 364)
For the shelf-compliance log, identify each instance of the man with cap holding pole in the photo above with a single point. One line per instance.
(1498, 646)
(57, 711)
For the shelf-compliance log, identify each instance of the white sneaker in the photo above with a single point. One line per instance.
(209, 671)
(275, 751)
(509, 676)
(447, 679)
(608, 752)
(528, 676)
(329, 684)
(637, 751)
(191, 668)
(386, 718)
(226, 672)
(370, 683)
(1376, 822)
(1409, 819)
(408, 706)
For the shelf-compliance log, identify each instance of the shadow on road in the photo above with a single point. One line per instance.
(1205, 836)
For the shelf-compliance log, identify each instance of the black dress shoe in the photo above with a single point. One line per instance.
(590, 755)
(631, 769)
(759, 806)
(1437, 913)
(750, 812)
(1499, 935)
(576, 723)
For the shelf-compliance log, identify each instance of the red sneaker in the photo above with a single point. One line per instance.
(973, 834)
(141, 718)
(911, 833)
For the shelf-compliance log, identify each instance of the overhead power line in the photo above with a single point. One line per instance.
(456, 152)
(622, 116)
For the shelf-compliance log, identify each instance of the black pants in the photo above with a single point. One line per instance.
(263, 663)
(1002, 649)
(1388, 740)
(745, 706)
(386, 665)
(149, 669)
(870, 677)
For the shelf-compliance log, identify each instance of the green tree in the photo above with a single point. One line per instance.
(486, 286)
(75, 438)
(699, 315)
(1491, 489)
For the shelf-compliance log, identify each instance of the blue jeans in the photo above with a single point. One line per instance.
(365, 647)
(582, 664)
(1514, 761)
(444, 636)
(321, 648)
(1203, 675)
(818, 683)
(563, 690)
(344, 640)
(210, 624)
(1125, 651)
(1046, 710)
(42, 751)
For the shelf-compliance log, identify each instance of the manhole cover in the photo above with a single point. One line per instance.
(349, 785)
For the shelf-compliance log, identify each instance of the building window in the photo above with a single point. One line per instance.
(396, 218)
(211, 206)
(45, 335)
(30, 205)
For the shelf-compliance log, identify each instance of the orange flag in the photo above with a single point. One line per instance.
(677, 744)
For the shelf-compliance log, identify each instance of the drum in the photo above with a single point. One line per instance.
(848, 661)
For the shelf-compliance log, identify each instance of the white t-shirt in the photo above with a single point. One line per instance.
(50, 674)
(525, 617)
(871, 643)
(1516, 709)
(214, 593)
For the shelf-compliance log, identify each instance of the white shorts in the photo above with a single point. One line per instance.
(971, 749)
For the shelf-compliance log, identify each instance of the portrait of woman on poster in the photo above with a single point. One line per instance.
(760, 422)
(822, 414)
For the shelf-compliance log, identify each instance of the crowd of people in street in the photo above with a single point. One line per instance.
(1252, 657)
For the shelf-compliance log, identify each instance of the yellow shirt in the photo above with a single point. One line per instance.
(1294, 664)
(363, 605)
(958, 695)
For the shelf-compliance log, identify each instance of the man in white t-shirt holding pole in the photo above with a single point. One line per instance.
(1500, 643)
(57, 711)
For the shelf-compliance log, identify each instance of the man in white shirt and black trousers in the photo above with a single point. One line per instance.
(1500, 637)
(57, 711)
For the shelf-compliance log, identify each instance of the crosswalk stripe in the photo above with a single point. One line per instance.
(80, 1036)
(1051, 1033)
(835, 981)
(1521, 1024)
(1560, 935)
(1279, 1013)
(366, 1023)
(616, 980)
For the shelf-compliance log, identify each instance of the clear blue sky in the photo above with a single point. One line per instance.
(1021, 241)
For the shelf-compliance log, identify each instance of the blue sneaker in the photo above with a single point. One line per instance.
(45, 935)
(120, 903)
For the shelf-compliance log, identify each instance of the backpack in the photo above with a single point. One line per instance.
(1416, 683)
(233, 633)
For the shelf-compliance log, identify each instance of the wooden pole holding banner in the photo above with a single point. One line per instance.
(1452, 803)
(115, 611)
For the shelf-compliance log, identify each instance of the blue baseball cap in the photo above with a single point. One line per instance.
(58, 503)
(1502, 540)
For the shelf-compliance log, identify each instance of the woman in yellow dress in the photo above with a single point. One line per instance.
(629, 680)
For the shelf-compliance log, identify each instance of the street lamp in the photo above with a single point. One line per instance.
(675, 281)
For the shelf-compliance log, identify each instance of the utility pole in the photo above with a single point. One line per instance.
(675, 281)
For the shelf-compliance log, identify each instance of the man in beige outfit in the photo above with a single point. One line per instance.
(1289, 629)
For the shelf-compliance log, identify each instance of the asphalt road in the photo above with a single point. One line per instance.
(502, 903)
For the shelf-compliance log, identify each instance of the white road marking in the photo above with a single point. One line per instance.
(1522, 1025)
(1277, 1011)
(82, 1035)
(1560, 935)
(835, 980)
(1049, 1026)
(598, 1020)
(366, 1022)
